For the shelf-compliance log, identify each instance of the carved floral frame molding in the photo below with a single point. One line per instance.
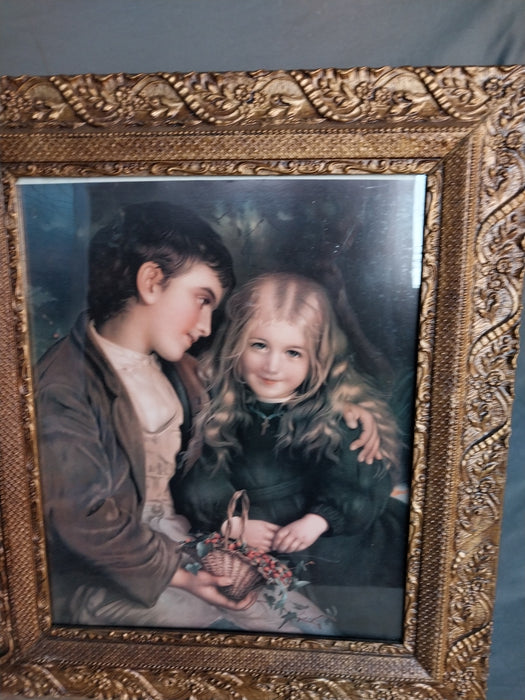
(463, 128)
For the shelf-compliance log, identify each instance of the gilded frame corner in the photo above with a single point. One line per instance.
(462, 127)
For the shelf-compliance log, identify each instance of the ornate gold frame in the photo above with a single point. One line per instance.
(464, 128)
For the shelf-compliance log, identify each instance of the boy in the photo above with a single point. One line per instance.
(155, 276)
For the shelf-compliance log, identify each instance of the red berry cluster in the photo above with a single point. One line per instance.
(214, 538)
(271, 568)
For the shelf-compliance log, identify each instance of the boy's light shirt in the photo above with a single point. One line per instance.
(153, 397)
(160, 414)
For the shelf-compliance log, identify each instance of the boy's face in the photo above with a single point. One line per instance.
(182, 311)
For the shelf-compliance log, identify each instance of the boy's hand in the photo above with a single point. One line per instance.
(369, 440)
(206, 586)
(299, 534)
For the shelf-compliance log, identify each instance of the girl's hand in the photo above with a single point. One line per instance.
(257, 533)
(369, 440)
(206, 586)
(299, 534)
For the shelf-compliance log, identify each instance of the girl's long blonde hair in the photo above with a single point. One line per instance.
(311, 425)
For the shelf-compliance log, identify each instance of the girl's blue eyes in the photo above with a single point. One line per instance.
(259, 345)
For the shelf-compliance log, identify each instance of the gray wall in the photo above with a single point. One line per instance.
(104, 36)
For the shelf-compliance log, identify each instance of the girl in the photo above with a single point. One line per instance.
(279, 376)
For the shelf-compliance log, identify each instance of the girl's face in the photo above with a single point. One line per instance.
(275, 361)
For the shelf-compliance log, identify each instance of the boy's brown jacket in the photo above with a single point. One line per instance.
(93, 473)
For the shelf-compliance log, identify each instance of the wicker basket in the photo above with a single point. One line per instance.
(248, 567)
(226, 560)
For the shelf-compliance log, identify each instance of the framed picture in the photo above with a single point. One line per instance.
(326, 229)
(390, 198)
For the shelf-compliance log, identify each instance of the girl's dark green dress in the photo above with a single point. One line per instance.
(365, 542)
